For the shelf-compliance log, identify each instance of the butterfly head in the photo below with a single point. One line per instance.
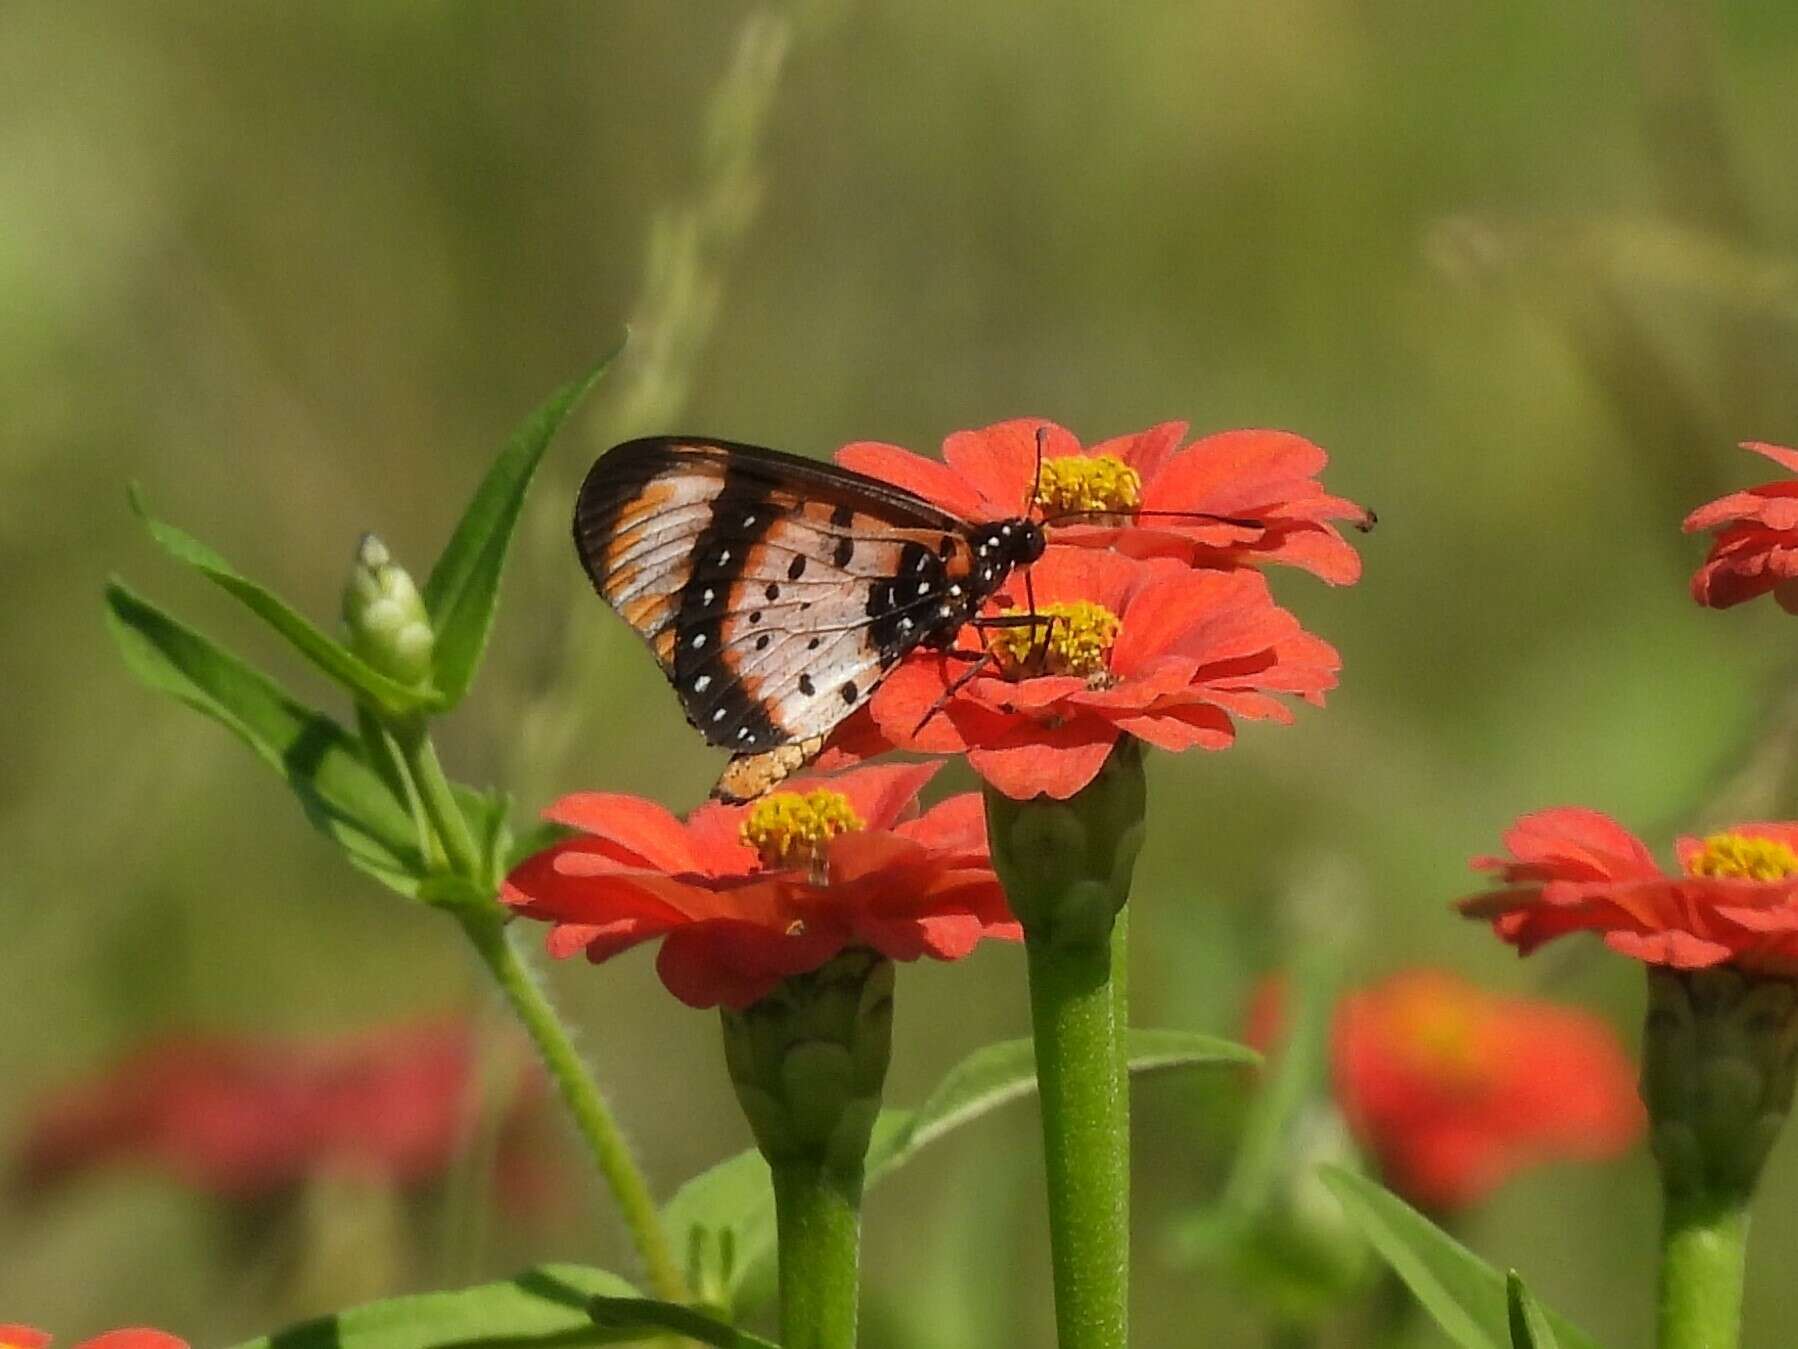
(1004, 544)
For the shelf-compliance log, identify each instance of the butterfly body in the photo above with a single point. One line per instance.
(775, 591)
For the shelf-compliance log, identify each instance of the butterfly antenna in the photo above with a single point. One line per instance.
(1208, 517)
(1036, 483)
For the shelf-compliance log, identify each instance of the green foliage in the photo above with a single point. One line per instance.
(641, 1314)
(545, 1306)
(1529, 1323)
(356, 788)
(464, 585)
(362, 680)
(726, 1215)
(1467, 1297)
(343, 794)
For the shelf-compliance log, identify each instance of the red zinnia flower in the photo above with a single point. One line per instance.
(246, 1118)
(1756, 548)
(1154, 650)
(1734, 899)
(136, 1337)
(748, 895)
(1452, 1090)
(1264, 481)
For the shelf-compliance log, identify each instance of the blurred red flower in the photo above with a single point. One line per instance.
(245, 1117)
(1452, 1090)
(1264, 481)
(1149, 649)
(1756, 547)
(136, 1337)
(1734, 899)
(747, 895)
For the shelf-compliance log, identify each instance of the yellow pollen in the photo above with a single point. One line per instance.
(1075, 482)
(1439, 1035)
(1741, 857)
(790, 829)
(1069, 639)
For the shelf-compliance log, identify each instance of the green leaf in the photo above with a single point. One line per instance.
(646, 1314)
(1464, 1294)
(733, 1203)
(464, 585)
(1529, 1323)
(327, 767)
(544, 1306)
(335, 660)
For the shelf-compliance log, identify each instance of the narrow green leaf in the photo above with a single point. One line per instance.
(327, 767)
(328, 655)
(464, 585)
(544, 1306)
(1529, 1323)
(646, 1314)
(735, 1202)
(998, 1073)
(1464, 1294)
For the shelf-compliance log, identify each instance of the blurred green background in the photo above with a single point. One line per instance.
(1526, 270)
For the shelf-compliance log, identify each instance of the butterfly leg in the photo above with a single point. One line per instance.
(981, 660)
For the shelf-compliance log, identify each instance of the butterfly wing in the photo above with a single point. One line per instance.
(775, 591)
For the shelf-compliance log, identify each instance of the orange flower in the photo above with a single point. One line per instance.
(1153, 650)
(745, 896)
(1452, 1090)
(137, 1337)
(1756, 547)
(1264, 481)
(1733, 901)
(246, 1118)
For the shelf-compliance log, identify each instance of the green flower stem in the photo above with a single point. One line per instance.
(1086, 1139)
(1704, 1250)
(414, 740)
(498, 948)
(818, 1214)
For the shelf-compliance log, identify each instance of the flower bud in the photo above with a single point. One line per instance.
(809, 1061)
(1719, 1059)
(1066, 865)
(389, 628)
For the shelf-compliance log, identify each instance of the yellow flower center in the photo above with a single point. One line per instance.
(1741, 857)
(1075, 482)
(791, 829)
(1440, 1037)
(1068, 639)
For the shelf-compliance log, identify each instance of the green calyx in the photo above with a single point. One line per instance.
(809, 1061)
(1066, 865)
(388, 625)
(1719, 1061)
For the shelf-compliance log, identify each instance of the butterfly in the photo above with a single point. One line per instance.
(776, 592)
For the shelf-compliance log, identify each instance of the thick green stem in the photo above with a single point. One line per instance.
(498, 949)
(1086, 1140)
(1704, 1250)
(818, 1213)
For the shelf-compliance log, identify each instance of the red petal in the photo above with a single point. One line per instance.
(1681, 950)
(957, 824)
(999, 461)
(137, 1337)
(737, 963)
(1145, 451)
(1039, 760)
(1234, 471)
(926, 477)
(1182, 728)
(881, 793)
(22, 1337)
(647, 829)
(1779, 454)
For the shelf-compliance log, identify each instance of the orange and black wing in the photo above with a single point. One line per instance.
(775, 591)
